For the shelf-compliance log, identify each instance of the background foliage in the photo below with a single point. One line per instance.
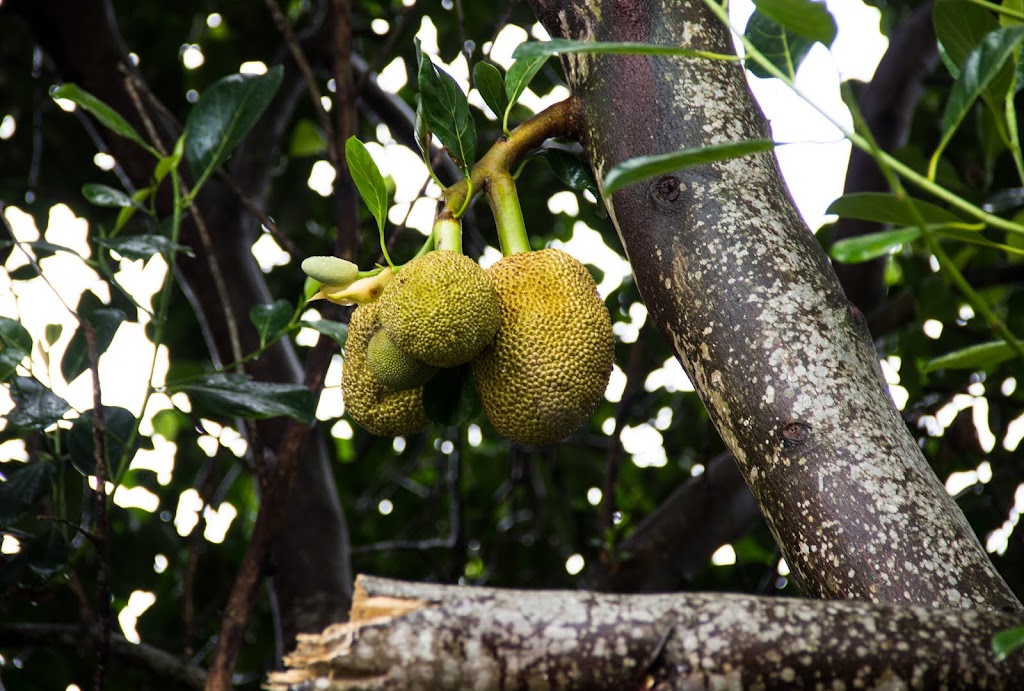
(455, 504)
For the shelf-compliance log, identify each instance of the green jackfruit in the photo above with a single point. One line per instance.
(378, 409)
(393, 367)
(441, 309)
(548, 367)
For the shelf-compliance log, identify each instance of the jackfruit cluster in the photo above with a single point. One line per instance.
(548, 366)
(533, 326)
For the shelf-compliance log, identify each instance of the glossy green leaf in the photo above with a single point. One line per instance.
(143, 246)
(450, 397)
(76, 358)
(225, 112)
(226, 395)
(118, 429)
(446, 112)
(103, 195)
(807, 18)
(331, 329)
(959, 27)
(981, 67)
(886, 207)
(872, 245)
(491, 85)
(782, 47)
(271, 320)
(1008, 641)
(35, 406)
(636, 169)
(572, 170)
(518, 77)
(368, 179)
(170, 162)
(41, 249)
(22, 489)
(106, 115)
(422, 130)
(15, 346)
(976, 357)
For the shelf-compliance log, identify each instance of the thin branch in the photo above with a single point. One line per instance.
(159, 663)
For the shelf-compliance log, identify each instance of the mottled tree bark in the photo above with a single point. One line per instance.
(421, 636)
(746, 298)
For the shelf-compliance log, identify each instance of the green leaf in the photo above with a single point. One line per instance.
(15, 346)
(270, 320)
(52, 333)
(450, 398)
(572, 170)
(307, 140)
(872, 245)
(636, 169)
(168, 422)
(809, 19)
(331, 329)
(886, 207)
(984, 63)
(518, 77)
(368, 179)
(76, 358)
(118, 429)
(170, 162)
(422, 131)
(103, 195)
(225, 112)
(976, 357)
(783, 48)
(959, 27)
(446, 112)
(22, 489)
(143, 246)
(47, 554)
(238, 396)
(1008, 641)
(35, 406)
(106, 115)
(489, 83)
(41, 249)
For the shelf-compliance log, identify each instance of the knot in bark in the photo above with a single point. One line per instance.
(795, 433)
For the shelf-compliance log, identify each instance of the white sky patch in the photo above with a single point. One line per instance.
(342, 429)
(421, 217)
(12, 449)
(104, 161)
(594, 496)
(783, 568)
(306, 336)
(999, 539)
(330, 405)
(393, 77)
(269, 254)
(1014, 434)
(254, 67)
(427, 36)
(8, 126)
(628, 332)
(504, 43)
(1008, 386)
(321, 178)
(574, 564)
(385, 507)
(645, 444)
(186, 518)
(136, 498)
(218, 522)
(724, 556)
(587, 246)
(932, 328)
(9, 544)
(564, 202)
(669, 376)
(138, 602)
(663, 420)
(959, 481)
(474, 435)
(616, 385)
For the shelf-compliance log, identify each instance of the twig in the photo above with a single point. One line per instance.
(416, 545)
(159, 663)
(307, 74)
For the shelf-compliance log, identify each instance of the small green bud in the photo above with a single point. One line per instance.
(331, 271)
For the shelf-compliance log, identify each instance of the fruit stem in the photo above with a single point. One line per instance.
(508, 215)
(448, 233)
(563, 119)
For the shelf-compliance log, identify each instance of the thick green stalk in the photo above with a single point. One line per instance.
(508, 215)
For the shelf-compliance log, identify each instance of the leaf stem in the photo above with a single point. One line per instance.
(508, 215)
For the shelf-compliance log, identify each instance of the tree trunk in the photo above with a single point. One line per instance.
(747, 299)
(422, 636)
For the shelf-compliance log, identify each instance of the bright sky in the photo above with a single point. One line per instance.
(814, 165)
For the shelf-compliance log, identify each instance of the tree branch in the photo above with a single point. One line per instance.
(413, 635)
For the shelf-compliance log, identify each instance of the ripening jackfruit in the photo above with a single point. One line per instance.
(380, 410)
(440, 308)
(549, 364)
(393, 367)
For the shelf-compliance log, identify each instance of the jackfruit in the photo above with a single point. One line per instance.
(378, 409)
(440, 308)
(550, 361)
(393, 367)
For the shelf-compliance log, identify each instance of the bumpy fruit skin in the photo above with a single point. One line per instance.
(441, 309)
(548, 367)
(373, 405)
(393, 367)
